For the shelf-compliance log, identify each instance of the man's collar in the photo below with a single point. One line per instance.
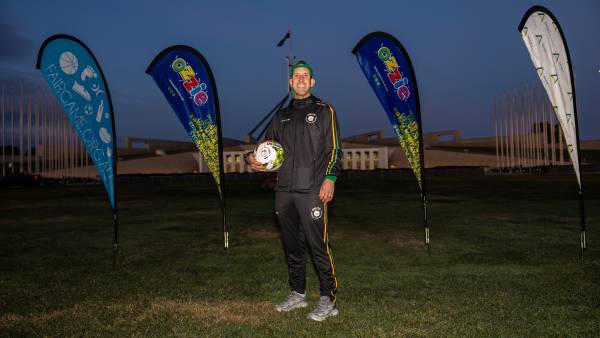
(309, 100)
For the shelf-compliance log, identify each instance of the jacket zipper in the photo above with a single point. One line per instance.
(294, 120)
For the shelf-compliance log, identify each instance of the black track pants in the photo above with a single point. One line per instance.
(303, 221)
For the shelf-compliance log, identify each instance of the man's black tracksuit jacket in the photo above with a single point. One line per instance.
(308, 131)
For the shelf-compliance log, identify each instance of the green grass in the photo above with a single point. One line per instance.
(504, 261)
(590, 156)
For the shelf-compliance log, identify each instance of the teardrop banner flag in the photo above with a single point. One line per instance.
(77, 82)
(547, 46)
(187, 82)
(388, 68)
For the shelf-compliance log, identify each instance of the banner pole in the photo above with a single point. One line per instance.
(116, 239)
(407, 123)
(225, 230)
(422, 160)
(221, 184)
(202, 124)
(544, 12)
(64, 138)
(582, 242)
(425, 224)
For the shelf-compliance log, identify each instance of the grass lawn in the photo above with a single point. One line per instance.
(504, 261)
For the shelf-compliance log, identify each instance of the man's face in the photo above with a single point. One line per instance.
(301, 82)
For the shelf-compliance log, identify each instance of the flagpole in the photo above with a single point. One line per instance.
(520, 130)
(529, 132)
(72, 152)
(525, 126)
(50, 132)
(553, 139)
(534, 108)
(545, 130)
(63, 145)
(59, 162)
(54, 140)
(3, 134)
(36, 131)
(518, 133)
(538, 153)
(43, 111)
(29, 131)
(500, 120)
(561, 153)
(12, 134)
(507, 133)
(290, 60)
(496, 134)
(512, 132)
(21, 127)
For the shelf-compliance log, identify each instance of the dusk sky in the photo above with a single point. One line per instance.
(464, 52)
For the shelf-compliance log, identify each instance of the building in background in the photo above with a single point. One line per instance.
(37, 138)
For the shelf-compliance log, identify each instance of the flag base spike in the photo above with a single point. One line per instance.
(583, 244)
(115, 256)
(427, 241)
(116, 240)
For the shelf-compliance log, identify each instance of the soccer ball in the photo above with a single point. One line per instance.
(270, 154)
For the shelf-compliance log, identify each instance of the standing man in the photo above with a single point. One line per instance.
(308, 131)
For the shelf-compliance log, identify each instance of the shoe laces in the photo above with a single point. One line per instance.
(293, 296)
(323, 306)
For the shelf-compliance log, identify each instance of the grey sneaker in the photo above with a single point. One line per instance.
(293, 301)
(324, 310)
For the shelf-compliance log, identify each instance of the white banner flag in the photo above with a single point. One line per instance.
(548, 50)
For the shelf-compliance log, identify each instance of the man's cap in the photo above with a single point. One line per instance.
(301, 64)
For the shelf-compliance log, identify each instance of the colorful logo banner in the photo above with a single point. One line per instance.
(78, 83)
(184, 77)
(388, 69)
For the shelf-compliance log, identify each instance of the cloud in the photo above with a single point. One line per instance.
(14, 45)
